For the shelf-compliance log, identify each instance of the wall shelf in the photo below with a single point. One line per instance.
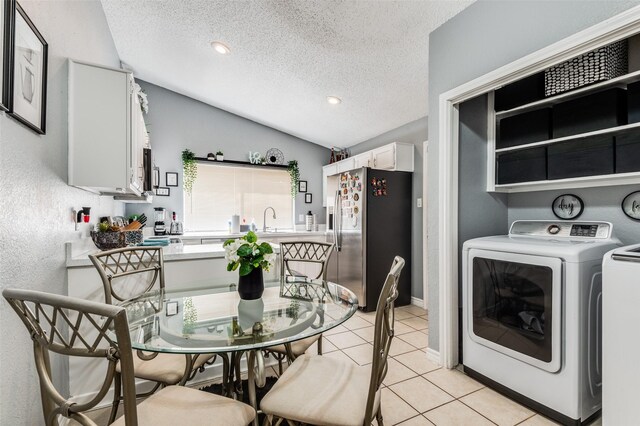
(621, 81)
(609, 131)
(239, 163)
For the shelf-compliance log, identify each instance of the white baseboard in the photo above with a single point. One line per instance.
(417, 301)
(433, 356)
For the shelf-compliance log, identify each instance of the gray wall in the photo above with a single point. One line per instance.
(481, 213)
(485, 36)
(176, 122)
(36, 201)
(414, 133)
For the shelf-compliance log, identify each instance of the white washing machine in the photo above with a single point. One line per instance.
(531, 304)
(621, 340)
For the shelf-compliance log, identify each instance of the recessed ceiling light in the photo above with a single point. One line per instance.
(333, 100)
(221, 48)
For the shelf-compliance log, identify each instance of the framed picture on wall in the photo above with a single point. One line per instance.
(28, 98)
(302, 186)
(156, 177)
(7, 15)
(307, 198)
(163, 192)
(172, 178)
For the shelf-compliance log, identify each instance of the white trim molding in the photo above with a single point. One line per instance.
(433, 356)
(425, 229)
(613, 29)
(416, 301)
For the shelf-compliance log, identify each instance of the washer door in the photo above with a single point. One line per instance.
(514, 305)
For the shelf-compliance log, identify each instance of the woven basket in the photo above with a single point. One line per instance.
(113, 240)
(605, 63)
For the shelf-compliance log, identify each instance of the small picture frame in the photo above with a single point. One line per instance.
(302, 186)
(308, 198)
(172, 178)
(172, 308)
(163, 192)
(28, 97)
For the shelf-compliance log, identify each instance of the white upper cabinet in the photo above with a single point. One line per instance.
(106, 130)
(363, 160)
(394, 156)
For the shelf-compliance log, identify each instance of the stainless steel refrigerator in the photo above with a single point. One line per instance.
(369, 221)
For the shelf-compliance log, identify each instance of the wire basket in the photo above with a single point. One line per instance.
(605, 63)
(118, 239)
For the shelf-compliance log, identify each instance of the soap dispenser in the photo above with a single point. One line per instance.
(309, 221)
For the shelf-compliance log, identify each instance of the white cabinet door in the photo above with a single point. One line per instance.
(345, 165)
(103, 130)
(384, 158)
(363, 160)
(328, 170)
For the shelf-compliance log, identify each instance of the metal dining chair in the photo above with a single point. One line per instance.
(126, 274)
(79, 328)
(301, 252)
(343, 394)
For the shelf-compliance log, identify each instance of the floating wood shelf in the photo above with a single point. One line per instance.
(239, 163)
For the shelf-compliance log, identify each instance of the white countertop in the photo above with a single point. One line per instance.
(78, 252)
(260, 234)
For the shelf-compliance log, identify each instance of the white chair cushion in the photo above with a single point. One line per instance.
(164, 368)
(322, 391)
(178, 405)
(298, 347)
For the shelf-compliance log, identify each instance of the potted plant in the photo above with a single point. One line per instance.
(190, 170)
(249, 256)
(294, 173)
(219, 156)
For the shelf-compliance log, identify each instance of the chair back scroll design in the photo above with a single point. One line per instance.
(305, 251)
(383, 334)
(57, 324)
(122, 262)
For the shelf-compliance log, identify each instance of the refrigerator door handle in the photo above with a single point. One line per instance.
(336, 210)
(337, 217)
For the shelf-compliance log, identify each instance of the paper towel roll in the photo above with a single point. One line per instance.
(235, 224)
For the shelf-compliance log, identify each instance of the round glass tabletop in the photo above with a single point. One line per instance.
(215, 319)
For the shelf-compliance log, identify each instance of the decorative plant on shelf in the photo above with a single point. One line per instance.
(294, 172)
(190, 170)
(247, 254)
(219, 156)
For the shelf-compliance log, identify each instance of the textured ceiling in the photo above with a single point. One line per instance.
(287, 57)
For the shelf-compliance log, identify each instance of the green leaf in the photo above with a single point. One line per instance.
(251, 237)
(265, 248)
(245, 250)
(245, 269)
(235, 266)
(230, 267)
(229, 241)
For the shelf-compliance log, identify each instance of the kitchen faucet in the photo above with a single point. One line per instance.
(264, 218)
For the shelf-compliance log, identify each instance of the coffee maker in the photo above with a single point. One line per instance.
(160, 216)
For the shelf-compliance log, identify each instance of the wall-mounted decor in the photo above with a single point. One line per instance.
(7, 16)
(163, 192)
(172, 178)
(28, 100)
(631, 205)
(308, 198)
(302, 186)
(274, 156)
(567, 206)
(189, 170)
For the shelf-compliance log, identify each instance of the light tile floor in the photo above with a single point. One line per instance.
(416, 391)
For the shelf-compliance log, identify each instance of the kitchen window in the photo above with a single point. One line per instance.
(220, 191)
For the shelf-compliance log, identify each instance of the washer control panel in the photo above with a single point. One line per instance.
(569, 229)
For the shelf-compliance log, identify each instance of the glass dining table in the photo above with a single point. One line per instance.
(211, 318)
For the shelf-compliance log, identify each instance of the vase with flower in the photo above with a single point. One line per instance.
(249, 257)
